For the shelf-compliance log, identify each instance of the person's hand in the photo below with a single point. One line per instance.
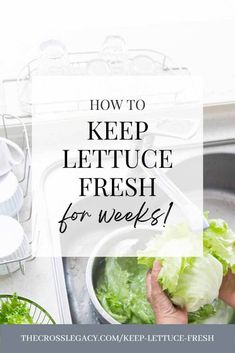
(227, 289)
(165, 311)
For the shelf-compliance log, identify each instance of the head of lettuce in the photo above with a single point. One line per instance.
(191, 282)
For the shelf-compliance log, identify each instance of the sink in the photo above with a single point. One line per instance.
(219, 200)
(219, 186)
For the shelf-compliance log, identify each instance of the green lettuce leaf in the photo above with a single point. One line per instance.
(15, 311)
(121, 290)
(199, 283)
(219, 241)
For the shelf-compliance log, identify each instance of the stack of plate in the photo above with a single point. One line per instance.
(13, 242)
(11, 194)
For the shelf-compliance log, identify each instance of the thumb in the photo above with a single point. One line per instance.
(160, 301)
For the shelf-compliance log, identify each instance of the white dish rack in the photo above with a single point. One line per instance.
(114, 58)
(23, 173)
(49, 270)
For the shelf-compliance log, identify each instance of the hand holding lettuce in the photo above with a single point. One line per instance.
(193, 283)
(227, 289)
(163, 308)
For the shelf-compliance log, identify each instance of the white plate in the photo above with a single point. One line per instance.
(11, 236)
(11, 195)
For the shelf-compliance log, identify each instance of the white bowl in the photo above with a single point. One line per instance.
(11, 236)
(13, 245)
(10, 155)
(11, 195)
(119, 239)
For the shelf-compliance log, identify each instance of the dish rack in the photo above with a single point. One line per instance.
(114, 58)
(23, 173)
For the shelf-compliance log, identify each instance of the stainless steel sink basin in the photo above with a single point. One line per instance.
(219, 200)
(219, 186)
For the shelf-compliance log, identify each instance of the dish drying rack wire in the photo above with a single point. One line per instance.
(24, 177)
(79, 63)
(114, 57)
